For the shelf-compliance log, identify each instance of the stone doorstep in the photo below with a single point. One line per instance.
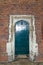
(22, 56)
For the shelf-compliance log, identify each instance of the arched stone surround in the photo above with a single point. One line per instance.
(33, 46)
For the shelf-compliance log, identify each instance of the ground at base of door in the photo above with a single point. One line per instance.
(21, 62)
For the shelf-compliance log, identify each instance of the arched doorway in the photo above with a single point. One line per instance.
(32, 44)
(21, 37)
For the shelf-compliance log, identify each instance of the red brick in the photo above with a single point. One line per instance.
(8, 7)
(4, 58)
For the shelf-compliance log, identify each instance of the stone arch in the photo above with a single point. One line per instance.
(33, 46)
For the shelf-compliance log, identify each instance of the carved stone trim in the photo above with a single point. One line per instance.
(33, 46)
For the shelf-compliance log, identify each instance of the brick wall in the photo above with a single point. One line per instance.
(13, 7)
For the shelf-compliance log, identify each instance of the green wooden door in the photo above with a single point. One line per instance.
(21, 37)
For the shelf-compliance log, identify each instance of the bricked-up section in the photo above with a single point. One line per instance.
(13, 7)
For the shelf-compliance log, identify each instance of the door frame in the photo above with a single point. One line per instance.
(33, 46)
